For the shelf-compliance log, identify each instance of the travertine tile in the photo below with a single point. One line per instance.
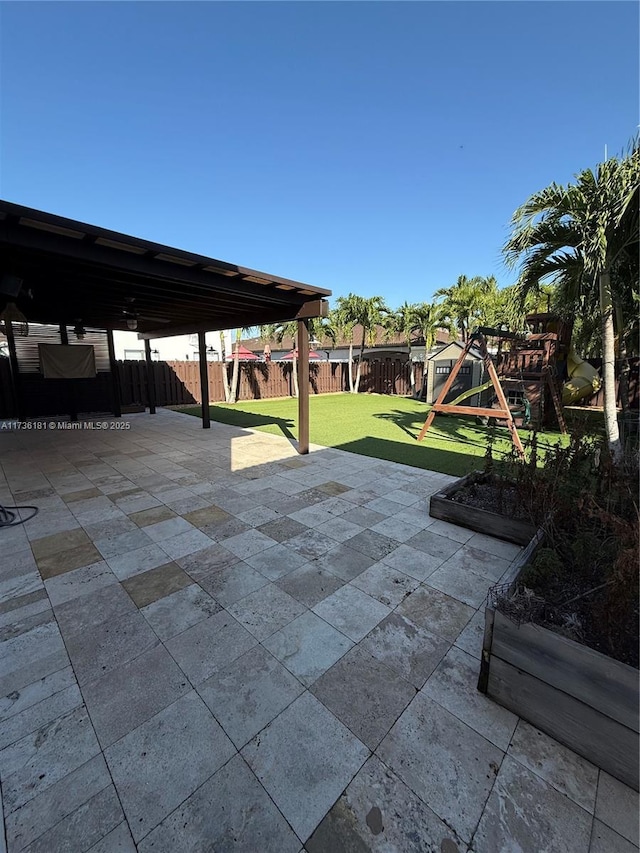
(148, 587)
(248, 693)
(352, 612)
(180, 610)
(266, 610)
(525, 813)
(302, 773)
(129, 695)
(617, 807)
(562, 768)
(211, 644)
(308, 646)
(406, 648)
(378, 812)
(310, 583)
(388, 585)
(364, 694)
(159, 764)
(217, 812)
(453, 685)
(431, 751)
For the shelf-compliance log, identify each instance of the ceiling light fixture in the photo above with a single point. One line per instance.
(132, 324)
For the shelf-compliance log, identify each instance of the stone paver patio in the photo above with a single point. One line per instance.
(210, 643)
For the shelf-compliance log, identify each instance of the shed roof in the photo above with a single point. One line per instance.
(449, 351)
(72, 271)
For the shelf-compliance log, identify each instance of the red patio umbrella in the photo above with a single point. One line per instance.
(294, 353)
(244, 354)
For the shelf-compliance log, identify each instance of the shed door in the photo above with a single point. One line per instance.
(461, 384)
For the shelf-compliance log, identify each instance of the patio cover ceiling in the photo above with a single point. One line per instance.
(72, 271)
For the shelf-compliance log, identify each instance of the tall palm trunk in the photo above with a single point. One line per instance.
(608, 367)
(412, 372)
(233, 393)
(351, 387)
(359, 368)
(294, 374)
(225, 369)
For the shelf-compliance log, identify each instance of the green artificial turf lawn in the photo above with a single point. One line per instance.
(378, 425)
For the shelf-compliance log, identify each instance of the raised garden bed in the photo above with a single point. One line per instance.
(450, 505)
(581, 697)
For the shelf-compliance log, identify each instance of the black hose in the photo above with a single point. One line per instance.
(10, 519)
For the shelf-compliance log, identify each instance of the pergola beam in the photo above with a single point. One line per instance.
(306, 311)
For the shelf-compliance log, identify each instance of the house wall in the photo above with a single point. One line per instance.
(178, 348)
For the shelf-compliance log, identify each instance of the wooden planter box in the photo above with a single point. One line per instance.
(484, 521)
(580, 697)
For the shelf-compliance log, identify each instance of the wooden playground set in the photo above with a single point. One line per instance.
(531, 377)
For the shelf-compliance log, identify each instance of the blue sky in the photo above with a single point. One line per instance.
(372, 147)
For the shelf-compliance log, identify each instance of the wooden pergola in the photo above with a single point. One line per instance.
(60, 272)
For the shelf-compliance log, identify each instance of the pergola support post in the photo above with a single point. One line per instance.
(204, 380)
(115, 376)
(15, 373)
(68, 383)
(303, 386)
(151, 379)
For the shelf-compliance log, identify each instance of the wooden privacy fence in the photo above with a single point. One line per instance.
(178, 382)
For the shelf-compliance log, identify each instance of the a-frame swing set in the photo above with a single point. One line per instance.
(502, 412)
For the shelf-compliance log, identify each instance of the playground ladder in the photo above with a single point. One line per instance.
(557, 403)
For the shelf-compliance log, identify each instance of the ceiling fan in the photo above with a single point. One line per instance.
(131, 316)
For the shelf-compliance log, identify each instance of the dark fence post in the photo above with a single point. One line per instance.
(151, 382)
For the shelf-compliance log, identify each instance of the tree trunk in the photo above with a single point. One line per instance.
(225, 369)
(351, 367)
(294, 368)
(608, 368)
(359, 369)
(225, 382)
(412, 374)
(233, 394)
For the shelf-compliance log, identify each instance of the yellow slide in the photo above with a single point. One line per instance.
(584, 380)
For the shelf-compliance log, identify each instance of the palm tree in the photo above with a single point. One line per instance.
(369, 313)
(423, 320)
(403, 323)
(374, 314)
(466, 301)
(344, 318)
(577, 236)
